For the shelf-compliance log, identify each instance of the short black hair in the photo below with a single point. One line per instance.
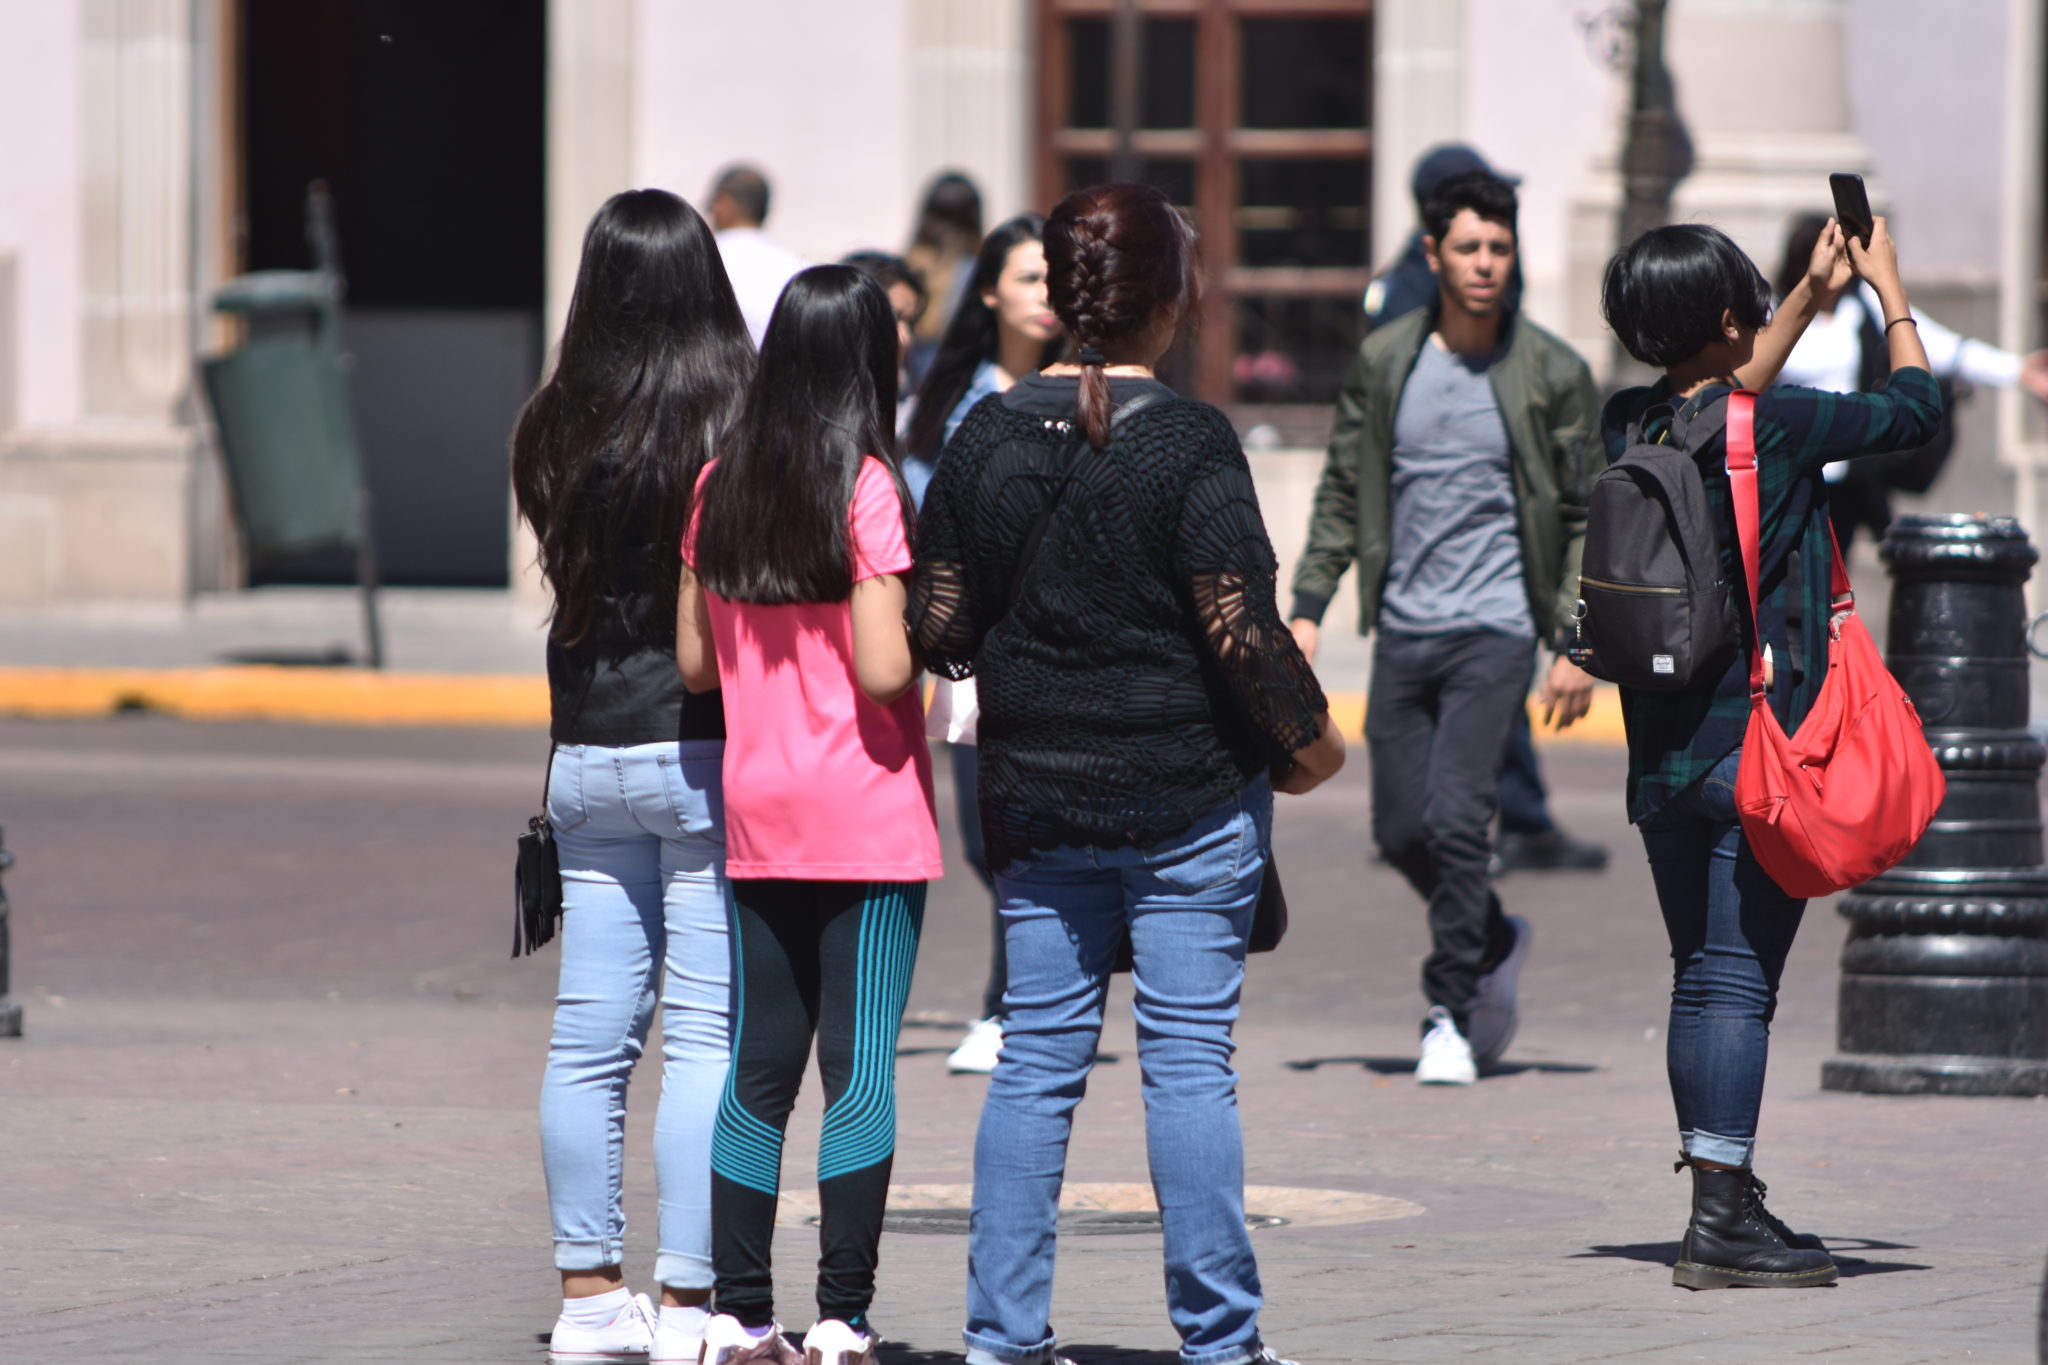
(1665, 292)
(887, 270)
(1483, 192)
(748, 190)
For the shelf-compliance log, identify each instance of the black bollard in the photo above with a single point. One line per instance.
(10, 1013)
(1945, 974)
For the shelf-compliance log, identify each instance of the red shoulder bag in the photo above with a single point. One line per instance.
(1851, 793)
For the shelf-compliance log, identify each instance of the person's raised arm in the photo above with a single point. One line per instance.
(696, 650)
(1827, 275)
(1878, 265)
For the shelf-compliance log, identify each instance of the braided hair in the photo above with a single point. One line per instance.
(1115, 257)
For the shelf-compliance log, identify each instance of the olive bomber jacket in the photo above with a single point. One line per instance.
(1549, 407)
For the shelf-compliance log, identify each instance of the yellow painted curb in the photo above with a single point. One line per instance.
(355, 696)
(324, 696)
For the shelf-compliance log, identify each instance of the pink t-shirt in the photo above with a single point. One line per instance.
(821, 784)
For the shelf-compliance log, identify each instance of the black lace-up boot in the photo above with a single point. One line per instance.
(1801, 1241)
(1732, 1243)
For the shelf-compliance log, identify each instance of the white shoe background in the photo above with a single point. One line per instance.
(673, 1345)
(978, 1051)
(1446, 1056)
(726, 1342)
(1491, 1025)
(629, 1336)
(832, 1342)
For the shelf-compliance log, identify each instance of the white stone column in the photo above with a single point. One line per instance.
(102, 510)
(1761, 89)
(1418, 101)
(969, 104)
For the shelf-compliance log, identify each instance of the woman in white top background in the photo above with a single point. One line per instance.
(1837, 353)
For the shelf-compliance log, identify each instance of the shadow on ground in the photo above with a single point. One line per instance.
(1404, 1066)
(1666, 1253)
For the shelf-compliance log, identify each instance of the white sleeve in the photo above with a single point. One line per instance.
(1954, 356)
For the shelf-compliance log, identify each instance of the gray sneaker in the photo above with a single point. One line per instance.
(1490, 1027)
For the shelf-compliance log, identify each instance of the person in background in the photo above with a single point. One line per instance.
(1458, 472)
(757, 266)
(1003, 330)
(908, 300)
(1109, 585)
(1686, 300)
(942, 250)
(792, 603)
(1843, 350)
(1530, 840)
(650, 375)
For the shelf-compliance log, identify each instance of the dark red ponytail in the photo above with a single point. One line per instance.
(1115, 256)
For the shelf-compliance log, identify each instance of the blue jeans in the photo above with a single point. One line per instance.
(642, 838)
(1731, 929)
(1188, 902)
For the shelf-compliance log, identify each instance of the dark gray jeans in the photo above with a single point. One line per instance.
(1436, 726)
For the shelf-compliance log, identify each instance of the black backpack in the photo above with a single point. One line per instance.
(1654, 611)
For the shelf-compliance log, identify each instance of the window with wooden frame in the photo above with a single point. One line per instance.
(1255, 117)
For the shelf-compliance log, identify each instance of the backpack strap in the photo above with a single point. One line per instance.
(1742, 493)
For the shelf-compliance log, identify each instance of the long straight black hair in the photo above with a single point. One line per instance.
(971, 337)
(649, 379)
(772, 515)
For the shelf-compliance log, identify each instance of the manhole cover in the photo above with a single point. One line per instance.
(1072, 1222)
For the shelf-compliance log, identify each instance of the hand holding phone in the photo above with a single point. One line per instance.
(1852, 206)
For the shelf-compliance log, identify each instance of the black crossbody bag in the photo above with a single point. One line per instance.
(1269, 915)
(537, 880)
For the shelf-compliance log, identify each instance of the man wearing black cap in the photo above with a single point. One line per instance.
(1456, 482)
(1530, 840)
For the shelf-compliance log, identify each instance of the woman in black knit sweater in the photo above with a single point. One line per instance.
(1091, 552)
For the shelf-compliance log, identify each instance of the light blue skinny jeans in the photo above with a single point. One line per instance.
(1188, 902)
(641, 832)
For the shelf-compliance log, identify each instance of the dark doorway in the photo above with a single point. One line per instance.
(426, 119)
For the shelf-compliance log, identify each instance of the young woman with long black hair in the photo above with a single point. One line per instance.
(1003, 330)
(1109, 585)
(792, 601)
(652, 369)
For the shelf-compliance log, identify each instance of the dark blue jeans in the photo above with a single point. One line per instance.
(1731, 928)
(967, 800)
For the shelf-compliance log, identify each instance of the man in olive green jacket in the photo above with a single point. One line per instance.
(1459, 466)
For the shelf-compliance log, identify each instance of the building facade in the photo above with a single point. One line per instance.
(156, 148)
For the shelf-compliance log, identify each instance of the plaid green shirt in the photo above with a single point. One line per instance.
(1675, 738)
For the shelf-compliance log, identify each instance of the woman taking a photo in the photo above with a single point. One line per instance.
(1004, 329)
(792, 600)
(1685, 299)
(653, 366)
(1109, 585)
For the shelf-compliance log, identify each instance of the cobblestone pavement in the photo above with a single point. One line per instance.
(276, 1098)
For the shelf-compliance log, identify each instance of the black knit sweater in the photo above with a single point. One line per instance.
(1143, 674)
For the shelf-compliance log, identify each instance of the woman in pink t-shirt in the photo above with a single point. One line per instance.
(793, 592)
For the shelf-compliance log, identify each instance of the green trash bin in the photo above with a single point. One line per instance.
(281, 405)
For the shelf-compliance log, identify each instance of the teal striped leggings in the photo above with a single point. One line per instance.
(830, 960)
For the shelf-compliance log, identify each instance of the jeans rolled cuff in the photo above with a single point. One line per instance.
(589, 1253)
(989, 1351)
(682, 1270)
(1729, 1151)
(1241, 1354)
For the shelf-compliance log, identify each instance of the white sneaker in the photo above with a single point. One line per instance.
(1446, 1056)
(673, 1345)
(832, 1342)
(726, 1342)
(1492, 1021)
(977, 1052)
(629, 1336)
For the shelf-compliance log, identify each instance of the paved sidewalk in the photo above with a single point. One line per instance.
(276, 1099)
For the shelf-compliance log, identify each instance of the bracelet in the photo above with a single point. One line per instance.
(1896, 321)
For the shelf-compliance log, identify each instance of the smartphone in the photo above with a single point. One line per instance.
(1852, 206)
